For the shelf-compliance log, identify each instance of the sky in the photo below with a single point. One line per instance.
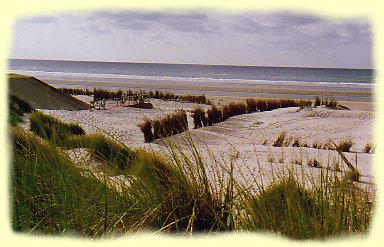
(197, 37)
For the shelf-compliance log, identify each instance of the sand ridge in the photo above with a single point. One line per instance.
(245, 141)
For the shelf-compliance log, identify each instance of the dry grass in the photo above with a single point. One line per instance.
(168, 125)
(344, 145)
(368, 148)
(198, 114)
(279, 142)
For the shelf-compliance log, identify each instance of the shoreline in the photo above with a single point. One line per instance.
(341, 92)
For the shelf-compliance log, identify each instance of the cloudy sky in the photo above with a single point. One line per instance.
(202, 37)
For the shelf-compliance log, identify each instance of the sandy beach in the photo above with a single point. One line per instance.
(238, 88)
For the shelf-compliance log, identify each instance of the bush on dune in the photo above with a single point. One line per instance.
(52, 196)
(111, 152)
(168, 125)
(51, 128)
(197, 116)
(214, 115)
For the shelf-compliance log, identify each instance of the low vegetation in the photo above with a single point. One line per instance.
(279, 142)
(199, 118)
(51, 128)
(344, 145)
(103, 94)
(170, 194)
(168, 125)
(368, 148)
(17, 107)
(173, 192)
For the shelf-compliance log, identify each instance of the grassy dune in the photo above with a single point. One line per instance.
(169, 193)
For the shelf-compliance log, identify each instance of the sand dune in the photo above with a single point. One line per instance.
(41, 95)
(239, 140)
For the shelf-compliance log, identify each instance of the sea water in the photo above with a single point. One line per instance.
(214, 75)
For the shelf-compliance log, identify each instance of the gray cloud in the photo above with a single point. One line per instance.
(212, 37)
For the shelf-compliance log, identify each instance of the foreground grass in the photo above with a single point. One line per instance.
(172, 193)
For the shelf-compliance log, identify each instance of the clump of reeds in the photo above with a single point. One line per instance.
(313, 163)
(251, 105)
(296, 143)
(237, 108)
(344, 145)
(168, 125)
(180, 122)
(214, 115)
(198, 117)
(109, 151)
(279, 142)
(77, 91)
(331, 104)
(353, 175)
(146, 128)
(47, 188)
(225, 112)
(317, 145)
(262, 105)
(368, 148)
(272, 104)
(51, 128)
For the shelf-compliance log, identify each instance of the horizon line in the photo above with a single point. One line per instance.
(234, 65)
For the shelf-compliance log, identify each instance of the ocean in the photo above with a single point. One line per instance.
(73, 73)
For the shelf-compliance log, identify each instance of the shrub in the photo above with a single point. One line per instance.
(279, 142)
(51, 128)
(317, 101)
(157, 131)
(109, 151)
(368, 148)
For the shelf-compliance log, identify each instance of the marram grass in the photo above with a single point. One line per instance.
(170, 193)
